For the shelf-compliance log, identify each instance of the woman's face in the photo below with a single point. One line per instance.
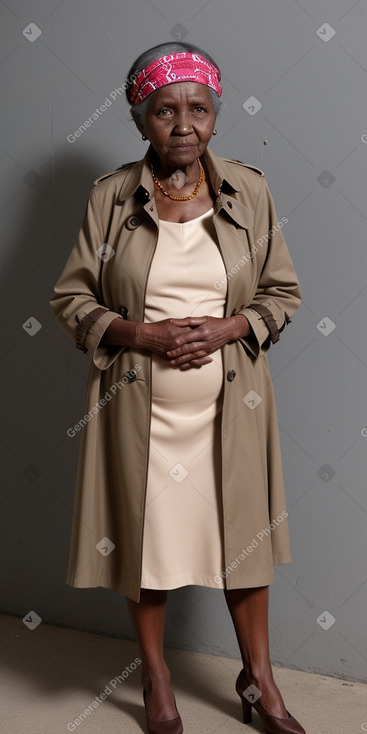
(179, 123)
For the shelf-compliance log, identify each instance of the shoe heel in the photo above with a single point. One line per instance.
(246, 711)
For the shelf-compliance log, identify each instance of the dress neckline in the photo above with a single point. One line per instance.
(189, 221)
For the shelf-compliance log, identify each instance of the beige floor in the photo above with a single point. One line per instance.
(51, 675)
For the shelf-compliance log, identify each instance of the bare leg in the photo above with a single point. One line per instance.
(148, 618)
(249, 612)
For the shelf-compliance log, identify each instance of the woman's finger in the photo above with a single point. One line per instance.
(195, 364)
(188, 357)
(188, 348)
(190, 321)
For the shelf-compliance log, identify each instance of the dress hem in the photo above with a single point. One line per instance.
(175, 582)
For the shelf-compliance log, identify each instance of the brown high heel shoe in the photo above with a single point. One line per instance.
(165, 726)
(272, 724)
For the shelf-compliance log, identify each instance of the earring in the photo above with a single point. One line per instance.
(144, 137)
(215, 131)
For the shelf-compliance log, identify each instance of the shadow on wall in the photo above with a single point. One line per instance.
(44, 379)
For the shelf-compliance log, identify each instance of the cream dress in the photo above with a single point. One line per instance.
(182, 540)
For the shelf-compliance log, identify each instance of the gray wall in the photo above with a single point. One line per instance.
(312, 90)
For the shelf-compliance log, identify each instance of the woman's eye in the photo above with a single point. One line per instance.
(165, 111)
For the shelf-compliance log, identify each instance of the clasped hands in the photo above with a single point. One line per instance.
(187, 343)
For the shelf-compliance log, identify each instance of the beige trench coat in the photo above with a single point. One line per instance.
(114, 448)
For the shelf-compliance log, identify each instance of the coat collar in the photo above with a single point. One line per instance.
(225, 176)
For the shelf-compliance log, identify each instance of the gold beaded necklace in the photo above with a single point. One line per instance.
(181, 198)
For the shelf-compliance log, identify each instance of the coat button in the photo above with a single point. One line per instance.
(231, 375)
(131, 375)
(229, 203)
(132, 223)
(124, 311)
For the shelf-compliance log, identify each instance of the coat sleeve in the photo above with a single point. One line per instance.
(278, 288)
(77, 300)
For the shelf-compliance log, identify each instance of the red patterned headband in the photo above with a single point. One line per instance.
(179, 67)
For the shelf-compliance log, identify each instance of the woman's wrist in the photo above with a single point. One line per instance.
(240, 326)
(120, 333)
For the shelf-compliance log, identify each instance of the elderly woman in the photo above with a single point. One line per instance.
(179, 282)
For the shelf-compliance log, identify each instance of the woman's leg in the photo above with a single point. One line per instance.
(249, 612)
(148, 618)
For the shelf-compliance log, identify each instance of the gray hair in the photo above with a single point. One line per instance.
(138, 111)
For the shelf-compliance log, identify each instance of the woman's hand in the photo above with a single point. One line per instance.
(206, 334)
(161, 337)
(185, 343)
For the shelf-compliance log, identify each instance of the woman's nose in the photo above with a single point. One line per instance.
(182, 124)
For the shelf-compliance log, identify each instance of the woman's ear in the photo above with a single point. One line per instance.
(138, 123)
(140, 127)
